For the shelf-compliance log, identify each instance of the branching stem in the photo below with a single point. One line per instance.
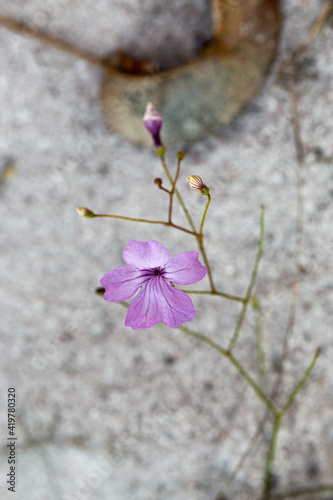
(164, 223)
(300, 384)
(199, 237)
(276, 427)
(172, 192)
(226, 353)
(180, 199)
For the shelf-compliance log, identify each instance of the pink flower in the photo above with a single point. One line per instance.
(153, 272)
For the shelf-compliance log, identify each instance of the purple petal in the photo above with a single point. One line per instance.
(143, 255)
(178, 307)
(122, 283)
(144, 310)
(159, 301)
(152, 119)
(184, 269)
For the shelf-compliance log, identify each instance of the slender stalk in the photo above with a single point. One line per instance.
(277, 421)
(190, 221)
(164, 189)
(172, 192)
(260, 345)
(202, 247)
(300, 384)
(164, 223)
(205, 213)
(238, 325)
(268, 476)
(226, 353)
(252, 282)
(205, 259)
(180, 199)
(270, 406)
(215, 292)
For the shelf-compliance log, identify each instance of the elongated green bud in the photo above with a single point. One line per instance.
(85, 212)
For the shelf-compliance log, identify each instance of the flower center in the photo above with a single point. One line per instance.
(157, 271)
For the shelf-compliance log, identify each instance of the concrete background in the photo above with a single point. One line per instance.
(108, 413)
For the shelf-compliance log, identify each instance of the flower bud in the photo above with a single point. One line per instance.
(195, 182)
(100, 291)
(180, 155)
(153, 123)
(85, 212)
(158, 181)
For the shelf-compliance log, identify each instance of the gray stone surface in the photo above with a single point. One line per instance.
(108, 413)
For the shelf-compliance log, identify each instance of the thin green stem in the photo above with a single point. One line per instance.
(215, 292)
(252, 383)
(226, 353)
(202, 247)
(270, 458)
(205, 213)
(252, 282)
(180, 199)
(300, 384)
(190, 221)
(164, 223)
(260, 345)
(205, 259)
(172, 192)
(238, 325)
(277, 421)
